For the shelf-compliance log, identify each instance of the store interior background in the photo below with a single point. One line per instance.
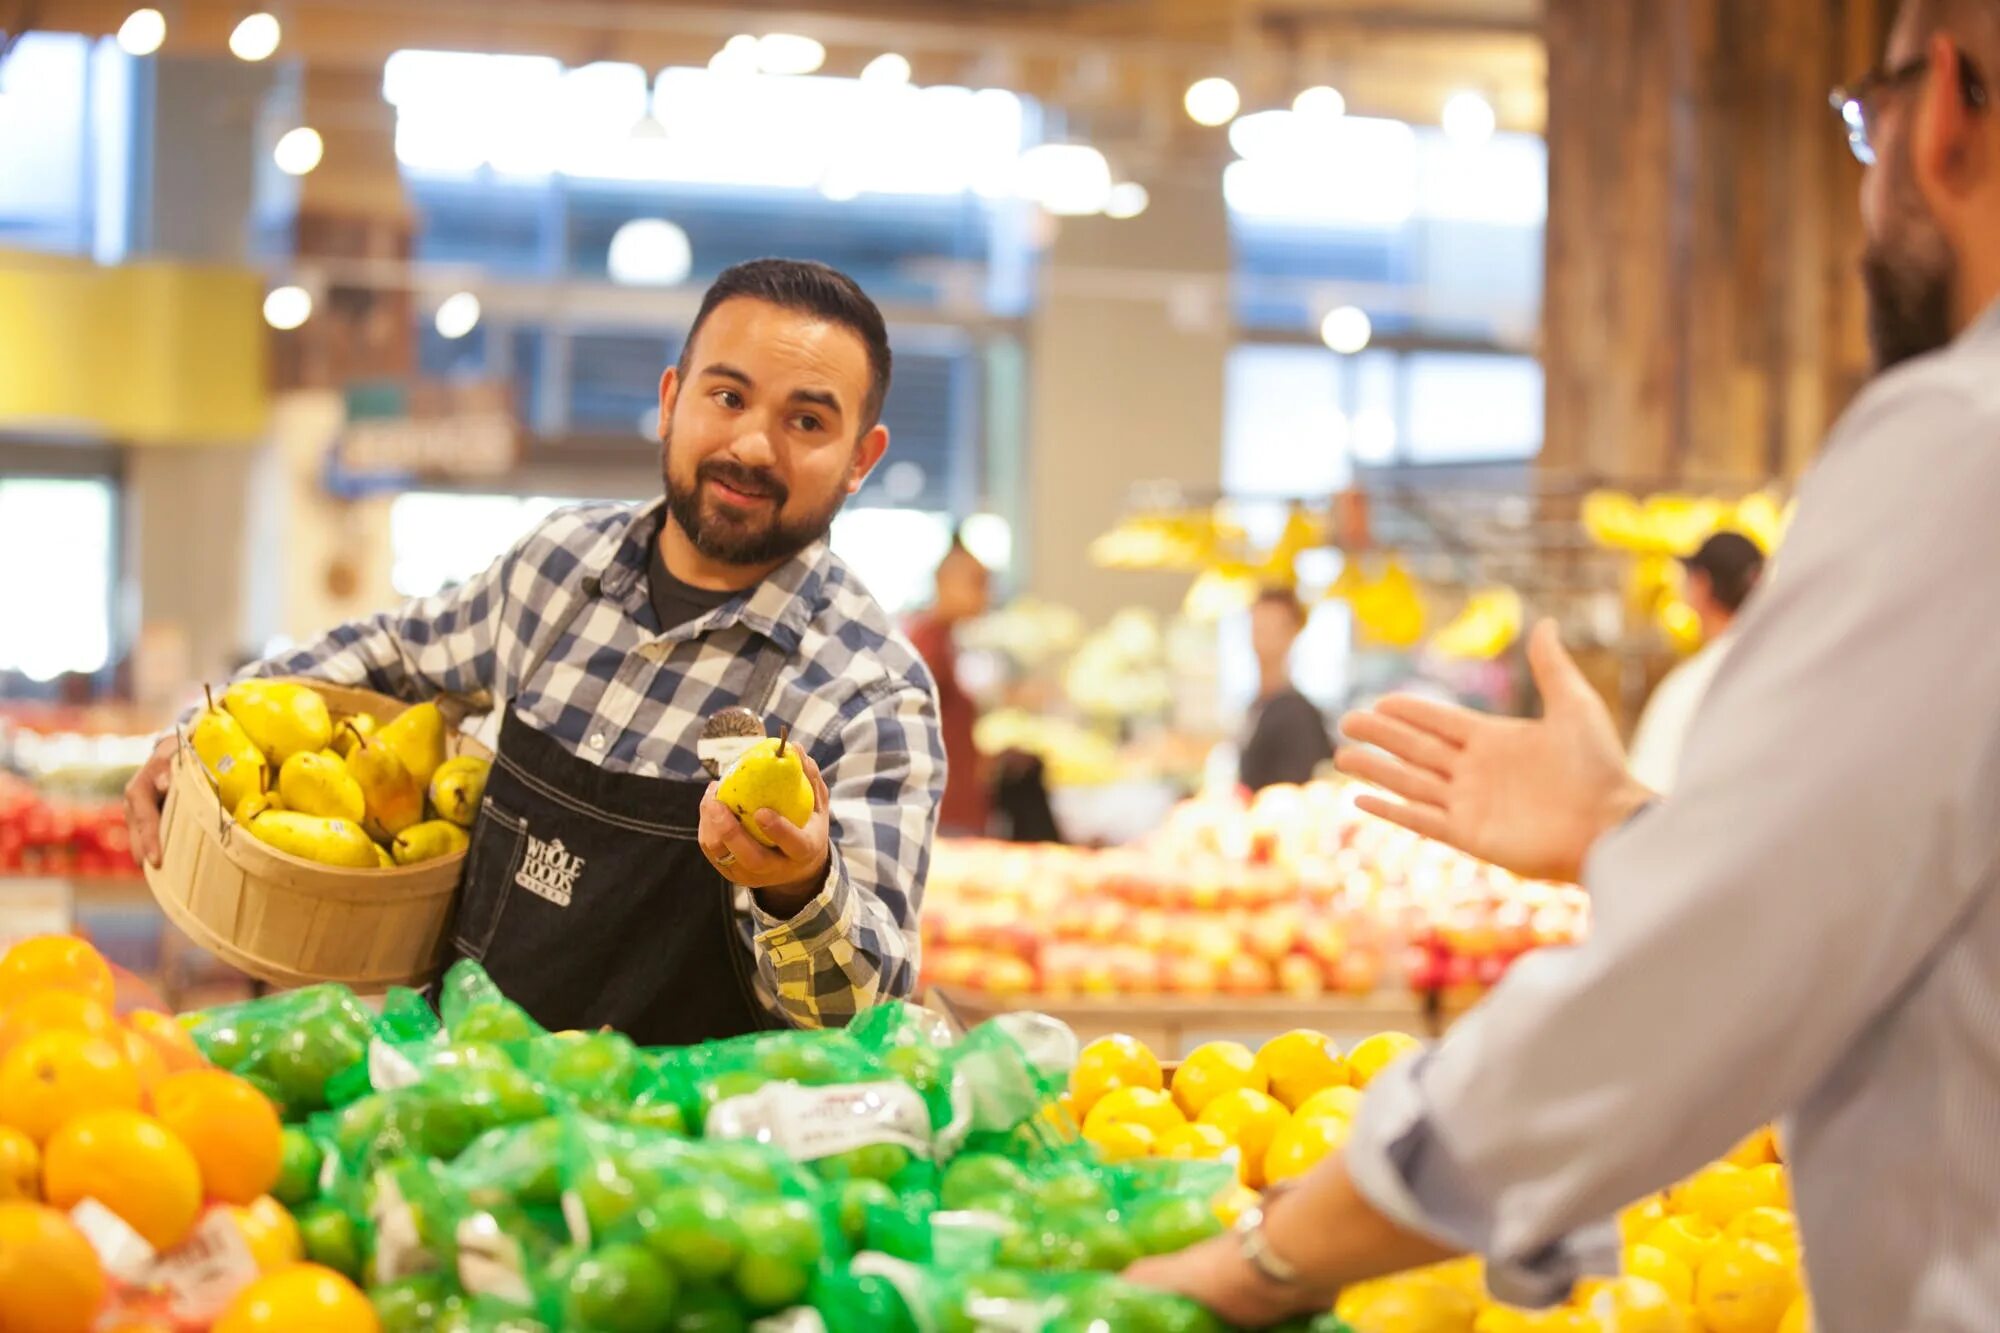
(1490, 252)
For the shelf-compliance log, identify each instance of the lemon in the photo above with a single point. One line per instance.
(1774, 1226)
(1211, 1070)
(1669, 1272)
(1299, 1064)
(1685, 1236)
(1744, 1286)
(1341, 1103)
(1300, 1144)
(1121, 1140)
(1635, 1305)
(1140, 1106)
(1798, 1319)
(1410, 1305)
(1376, 1053)
(1758, 1149)
(1116, 1061)
(1251, 1119)
(1640, 1218)
(1192, 1143)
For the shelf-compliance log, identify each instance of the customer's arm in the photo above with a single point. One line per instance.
(1831, 827)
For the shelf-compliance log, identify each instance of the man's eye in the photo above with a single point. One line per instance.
(808, 422)
(729, 398)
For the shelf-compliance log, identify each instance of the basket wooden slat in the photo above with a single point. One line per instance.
(291, 921)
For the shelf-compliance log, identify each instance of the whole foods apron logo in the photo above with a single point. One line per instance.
(548, 871)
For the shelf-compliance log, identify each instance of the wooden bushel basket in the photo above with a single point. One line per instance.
(288, 920)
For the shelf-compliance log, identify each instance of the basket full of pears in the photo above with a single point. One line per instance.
(316, 832)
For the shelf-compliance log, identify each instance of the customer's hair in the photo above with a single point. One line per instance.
(814, 289)
(1285, 597)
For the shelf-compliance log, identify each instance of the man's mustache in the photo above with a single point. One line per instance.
(742, 477)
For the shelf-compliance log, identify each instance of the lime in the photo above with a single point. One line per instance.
(620, 1289)
(298, 1172)
(307, 1058)
(771, 1283)
(708, 1310)
(859, 1198)
(331, 1239)
(471, 1055)
(409, 1305)
(454, 1316)
(919, 1066)
(504, 1096)
(439, 1126)
(977, 1176)
(1168, 1225)
(494, 1020)
(656, 1114)
(871, 1161)
(226, 1047)
(358, 1125)
(782, 1242)
(610, 1194)
(1106, 1246)
(601, 1062)
(982, 1291)
(693, 1230)
(1076, 1187)
(747, 1166)
(734, 1083)
(800, 1057)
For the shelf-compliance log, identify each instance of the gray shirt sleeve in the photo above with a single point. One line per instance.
(1833, 821)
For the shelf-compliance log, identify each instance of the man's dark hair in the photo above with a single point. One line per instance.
(1732, 563)
(1285, 597)
(814, 289)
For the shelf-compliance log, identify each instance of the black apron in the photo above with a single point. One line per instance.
(587, 897)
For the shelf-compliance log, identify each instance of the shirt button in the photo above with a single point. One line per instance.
(597, 741)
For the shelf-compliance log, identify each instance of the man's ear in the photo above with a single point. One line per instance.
(866, 455)
(670, 392)
(1943, 136)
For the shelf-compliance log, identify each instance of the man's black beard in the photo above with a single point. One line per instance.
(1909, 276)
(746, 542)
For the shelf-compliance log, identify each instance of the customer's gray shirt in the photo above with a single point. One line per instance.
(1807, 928)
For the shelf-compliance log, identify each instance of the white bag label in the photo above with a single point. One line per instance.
(491, 1262)
(389, 1070)
(807, 1124)
(399, 1246)
(206, 1271)
(123, 1251)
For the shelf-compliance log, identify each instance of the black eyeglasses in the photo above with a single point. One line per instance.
(1856, 104)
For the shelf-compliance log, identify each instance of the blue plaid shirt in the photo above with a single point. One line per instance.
(618, 692)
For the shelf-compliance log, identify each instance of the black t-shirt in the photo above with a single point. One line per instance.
(1287, 742)
(676, 603)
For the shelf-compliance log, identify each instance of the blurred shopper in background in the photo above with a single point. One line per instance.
(1287, 737)
(1719, 578)
(964, 590)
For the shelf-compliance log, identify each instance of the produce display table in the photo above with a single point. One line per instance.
(1173, 1026)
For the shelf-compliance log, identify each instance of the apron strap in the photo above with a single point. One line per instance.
(764, 677)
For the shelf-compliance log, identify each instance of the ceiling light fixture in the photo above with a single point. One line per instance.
(256, 37)
(298, 150)
(1212, 102)
(142, 32)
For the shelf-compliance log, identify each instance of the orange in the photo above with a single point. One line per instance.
(269, 1231)
(231, 1128)
(1211, 1070)
(53, 1010)
(1140, 1106)
(1635, 1305)
(1744, 1286)
(300, 1298)
(1685, 1236)
(1397, 1304)
(1341, 1103)
(1117, 1061)
(1374, 1054)
(50, 1281)
(1774, 1226)
(1121, 1140)
(1760, 1147)
(53, 1077)
(1641, 1217)
(147, 1062)
(1798, 1319)
(1301, 1143)
(1192, 1143)
(131, 1164)
(56, 962)
(1300, 1064)
(20, 1166)
(1720, 1191)
(175, 1044)
(1667, 1271)
(1251, 1119)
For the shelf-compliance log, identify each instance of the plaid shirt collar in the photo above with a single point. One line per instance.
(779, 607)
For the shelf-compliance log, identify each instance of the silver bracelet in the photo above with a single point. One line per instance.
(1254, 1244)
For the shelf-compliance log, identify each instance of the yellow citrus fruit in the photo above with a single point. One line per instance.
(1685, 1236)
(1640, 1218)
(1501, 1319)
(299, 1298)
(1116, 1061)
(1301, 1143)
(129, 1163)
(1467, 1274)
(20, 1166)
(1669, 1272)
(1776, 1227)
(1121, 1140)
(1140, 1106)
(1192, 1143)
(1560, 1320)
(1771, 1186)
(1300, 1063)
(50, 1011)
(1410, 1305)
(53, 1077)
(56, 962)
(1235, 1201)
(1798, 1319)
(1211, 1070)
(50, 1280)
(231, 1128)
(1758, 1148)
(1636, 1305)
(1251, 1119)
(269, 1232)
(1744, 1286)
(1717, 1192)
(174, 1043)
(1376, 1053)
(1342, 1103)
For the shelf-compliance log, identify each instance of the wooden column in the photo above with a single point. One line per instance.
(1704, 320)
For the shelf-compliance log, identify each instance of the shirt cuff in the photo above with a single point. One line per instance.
(1401, 1165)
(825, 917)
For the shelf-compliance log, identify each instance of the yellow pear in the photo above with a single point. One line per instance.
(417, 737)
(456, 789)
(229, 755)
(428, 841)
(383, 861)
(333, 842)
(392, 797)
(282, 718)
(312, 784)
(770, 775)
(352, 731)
(256, 803)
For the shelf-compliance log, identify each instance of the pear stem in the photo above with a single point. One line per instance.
(783, 733)
(209, 695)
(348, 725)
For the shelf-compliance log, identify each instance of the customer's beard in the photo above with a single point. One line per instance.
(734, 540)
(1909, 275)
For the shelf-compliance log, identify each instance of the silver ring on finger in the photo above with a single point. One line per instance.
(727, 859)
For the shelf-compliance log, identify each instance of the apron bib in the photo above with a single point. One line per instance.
(587, 897)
